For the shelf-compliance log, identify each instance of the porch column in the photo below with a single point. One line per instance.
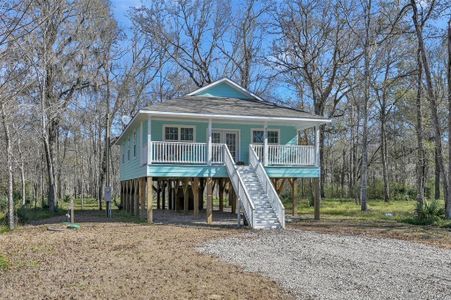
(149, 199)
(149, 141)
(209, 147)
(317, 146)
(265, 145)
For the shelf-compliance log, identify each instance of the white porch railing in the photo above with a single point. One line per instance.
(274, 199)
(239, 187)
(185, 153)
(286, 155)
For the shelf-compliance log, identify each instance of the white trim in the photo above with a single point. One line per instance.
(230, 83)
(238, 131)
(232, 118)
(179, 132)
(263, 129)
(235, 117)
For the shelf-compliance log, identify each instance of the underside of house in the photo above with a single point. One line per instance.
(219, 144)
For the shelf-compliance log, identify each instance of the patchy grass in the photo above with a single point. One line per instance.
(4, 263)
(383, 219)
(378, 210)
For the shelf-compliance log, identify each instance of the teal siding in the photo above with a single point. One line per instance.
(223, 90)
(132, 168)
(186, 171)
(292, 172)
(288, 134)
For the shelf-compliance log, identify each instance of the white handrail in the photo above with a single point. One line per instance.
(184, 152)
(274, 199)
(239, 187)
(287, 155)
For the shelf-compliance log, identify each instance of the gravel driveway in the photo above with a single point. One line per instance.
(321, 266)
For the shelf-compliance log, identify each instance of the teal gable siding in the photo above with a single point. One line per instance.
(223, 90)
(132, 168)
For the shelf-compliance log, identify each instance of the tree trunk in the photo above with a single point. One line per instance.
(9, 163)
(448, 199)
(364, 167)
(384, 155)
(419, 129)
(432, 100)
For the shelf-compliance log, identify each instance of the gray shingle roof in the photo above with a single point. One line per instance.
(228, 106)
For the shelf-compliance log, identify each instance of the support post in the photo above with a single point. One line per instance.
(149, 199)
(149, 141)
(316, 198)
(209, 201)
(158, 194)
(136, 198)
(170, 194)
(185, 195)
(293, 196)
(232, 196)
(209, 146)
(122, 194)
(265, 145)
(142, 197)
(317, 162)
(127, 196)
(221, 194)
(195, 185)
(163, 195)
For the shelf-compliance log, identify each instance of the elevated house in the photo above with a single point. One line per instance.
(220, 135)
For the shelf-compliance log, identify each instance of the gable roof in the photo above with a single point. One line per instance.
(224, 88)
(226, 100)
(221, 106)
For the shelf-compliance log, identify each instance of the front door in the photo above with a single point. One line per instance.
(228, 137)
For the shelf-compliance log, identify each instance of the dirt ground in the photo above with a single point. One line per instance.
(123, 261)
(428, 235)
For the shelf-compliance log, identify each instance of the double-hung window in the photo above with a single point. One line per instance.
(179, 133)
(134, 143)
(128, 148)
(258, 136)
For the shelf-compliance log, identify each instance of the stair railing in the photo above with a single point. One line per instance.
(239, 187)
(273, 197)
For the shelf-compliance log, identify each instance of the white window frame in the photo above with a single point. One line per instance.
(179, 133)
(262, 129)
(128, 148)
(135, 145)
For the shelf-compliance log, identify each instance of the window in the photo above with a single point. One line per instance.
(187, 134)
(171, 134)
(128, 149)
(183, 133)
(258, 136)
(134, 143)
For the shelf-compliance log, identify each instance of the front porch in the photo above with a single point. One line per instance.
(185, 159)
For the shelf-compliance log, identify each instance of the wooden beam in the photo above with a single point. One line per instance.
(170, 194)
(232, 197)
(294, 196)
(163, 195)
(209, 200)
(142, 197)
(316, 198)
(136, 198)
(127, 196)
(122, 194)
(158, 194)
(149, 200)
(221, 194)
(185, 195)
(195, 185)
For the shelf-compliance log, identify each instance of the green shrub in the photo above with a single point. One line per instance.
(428, 213)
